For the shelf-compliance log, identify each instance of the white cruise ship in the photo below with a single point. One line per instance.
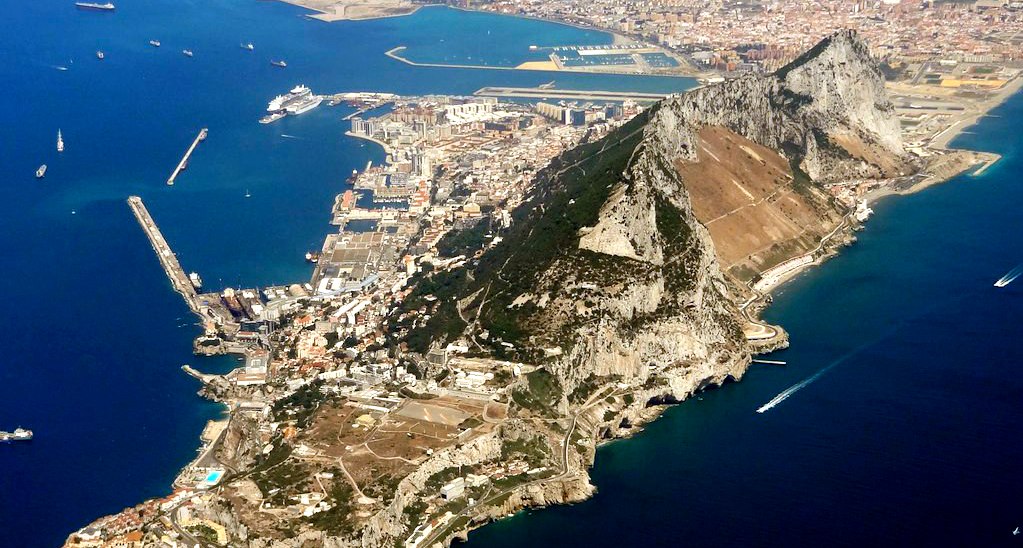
(304, 104)
(297, 101)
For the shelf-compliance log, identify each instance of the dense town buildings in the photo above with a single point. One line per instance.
(732, 36)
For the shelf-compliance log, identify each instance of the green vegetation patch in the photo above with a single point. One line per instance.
(465, 241)
(534, 451)
(567, 196)
(338, 519)
(303, 402)
(541, 394)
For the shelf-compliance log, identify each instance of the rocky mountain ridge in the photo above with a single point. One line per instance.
(608, 272)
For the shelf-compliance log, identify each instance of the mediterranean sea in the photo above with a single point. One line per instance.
(95, 338)
(906, 430)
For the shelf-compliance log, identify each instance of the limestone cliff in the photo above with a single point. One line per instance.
(622, 262)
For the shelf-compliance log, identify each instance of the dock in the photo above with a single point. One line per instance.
(768, 362)
(198, 304)
(184, 160)
(168, 259)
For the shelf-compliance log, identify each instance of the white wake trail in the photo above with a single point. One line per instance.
(795, 388)
(1010, 276)
(785, 394)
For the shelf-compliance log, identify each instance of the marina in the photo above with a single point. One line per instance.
(188, 154)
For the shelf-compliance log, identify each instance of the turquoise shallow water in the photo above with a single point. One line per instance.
(909, 437)
(95, 336)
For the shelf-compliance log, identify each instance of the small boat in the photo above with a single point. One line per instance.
(187, 52)
(60, 142)
(154, 43)
(203, 133)
(94, 6)
(41, 172)
(271, 117)
(195, 279)
(99, 55)
(248, 46)
(281, 63)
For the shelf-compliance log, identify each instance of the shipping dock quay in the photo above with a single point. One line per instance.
(179, 279)
(184, 160)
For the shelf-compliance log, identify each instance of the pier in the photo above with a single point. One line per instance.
(184, 160)
(168, 260)
(179, 280)
(768, 362)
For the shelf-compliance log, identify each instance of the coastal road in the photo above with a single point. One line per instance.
(758, 295)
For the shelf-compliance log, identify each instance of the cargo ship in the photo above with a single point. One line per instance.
(19, 434)
(41, 172)
(94, 6)
(281, 63)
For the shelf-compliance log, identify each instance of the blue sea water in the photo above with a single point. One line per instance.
(95, 336)
(911, 436)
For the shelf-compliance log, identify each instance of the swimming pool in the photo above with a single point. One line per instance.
(213, 477)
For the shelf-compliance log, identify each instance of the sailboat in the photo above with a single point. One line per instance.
(60, 142)
(247, 195)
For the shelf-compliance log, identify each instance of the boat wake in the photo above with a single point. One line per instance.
(1010, 276)
(59, 67)
(788, 392)
(795, 388)
(286, 136)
